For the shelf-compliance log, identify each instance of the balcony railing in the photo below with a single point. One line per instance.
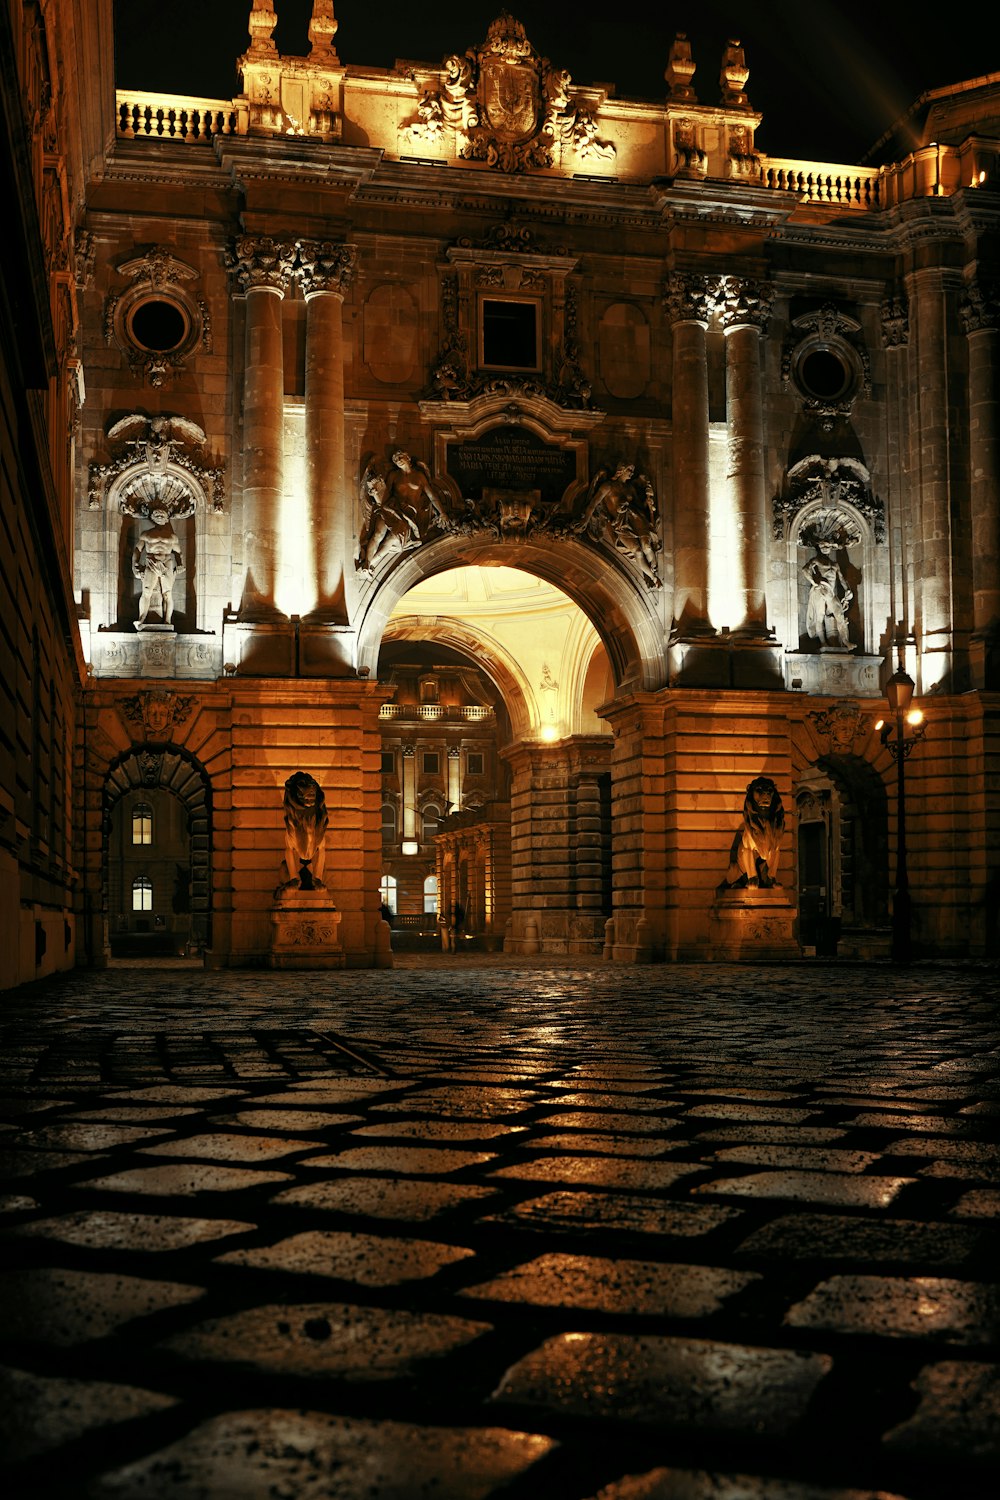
(825, 182)
(169, 117)
(469, 711)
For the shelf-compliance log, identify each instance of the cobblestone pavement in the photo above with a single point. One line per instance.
(468, 1229)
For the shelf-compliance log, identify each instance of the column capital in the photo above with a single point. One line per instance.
(743, 302)
(979, 308)
(895, 316)
(258, 261)
(689, 298)
(325, 266)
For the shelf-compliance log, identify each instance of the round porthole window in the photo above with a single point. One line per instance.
(827, 372)
(158, 325)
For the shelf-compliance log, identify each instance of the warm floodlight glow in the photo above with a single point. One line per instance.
(879, 724)
(410, 846)
(549, 733)
(915, 716)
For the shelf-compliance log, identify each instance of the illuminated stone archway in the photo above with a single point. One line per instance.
(627, 617)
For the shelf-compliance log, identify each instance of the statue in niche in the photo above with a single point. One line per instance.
(621, 511)
(156, 558)
(401, 507)
(305, 833)
(829, 597)
(756, 848)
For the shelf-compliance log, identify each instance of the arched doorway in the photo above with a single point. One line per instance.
(157, 854)
(495, 763)
(843, 861)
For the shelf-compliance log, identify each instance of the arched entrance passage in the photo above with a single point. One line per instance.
(527, 851)
(843, 861)
(628, 618)
(156, 823)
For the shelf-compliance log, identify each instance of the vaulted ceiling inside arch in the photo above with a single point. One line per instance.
(535, 643)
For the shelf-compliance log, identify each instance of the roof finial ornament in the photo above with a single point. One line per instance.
(323, 26)
(734, 75)
(680, 71)
(263, 20)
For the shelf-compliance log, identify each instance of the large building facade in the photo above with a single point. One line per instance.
(357, 334)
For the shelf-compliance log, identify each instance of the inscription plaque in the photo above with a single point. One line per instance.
(510, 459)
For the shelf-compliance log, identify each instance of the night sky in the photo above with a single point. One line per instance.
(828, 78)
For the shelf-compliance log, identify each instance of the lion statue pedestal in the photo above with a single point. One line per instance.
(305, 924)
(305, 931)
(753, 916)
(753, 924)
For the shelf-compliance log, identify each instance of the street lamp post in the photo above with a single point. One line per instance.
(909, 729)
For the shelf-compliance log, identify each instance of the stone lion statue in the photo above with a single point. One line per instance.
(756, 850)
(305, 832)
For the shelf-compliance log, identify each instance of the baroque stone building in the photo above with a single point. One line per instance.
(354, 331)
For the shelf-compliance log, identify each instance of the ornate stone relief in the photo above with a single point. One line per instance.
(831, 481)
(689, 298)
(256, 260)
(895, 316)
(979, 307)
(155, 468)
(742, 302)
(318, 265)
(825, 358)
(403, 508)
(157, 323)
(454, 375)
(506, 106)
(156, 712)
(842, 725)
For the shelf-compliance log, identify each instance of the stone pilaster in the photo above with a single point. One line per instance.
(261, 269)
(745, 307)
(324, 271)
(688, 304)
(557, 896)
(980, 314)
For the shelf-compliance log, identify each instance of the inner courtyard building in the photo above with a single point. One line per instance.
(538, 470)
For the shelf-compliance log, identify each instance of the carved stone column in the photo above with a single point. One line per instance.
(981, 317)
(931, 290)
(261, 269)
(688, 306)
(745, 308)
(324, 272)
(895, 337)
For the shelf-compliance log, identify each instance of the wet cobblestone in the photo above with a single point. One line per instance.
(469, 1230)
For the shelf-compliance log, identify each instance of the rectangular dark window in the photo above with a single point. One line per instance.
(474, 763)
(432, 763)
(509, 334)
(388, 762)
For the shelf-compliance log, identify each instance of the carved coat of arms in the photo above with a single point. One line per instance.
(509, 98)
